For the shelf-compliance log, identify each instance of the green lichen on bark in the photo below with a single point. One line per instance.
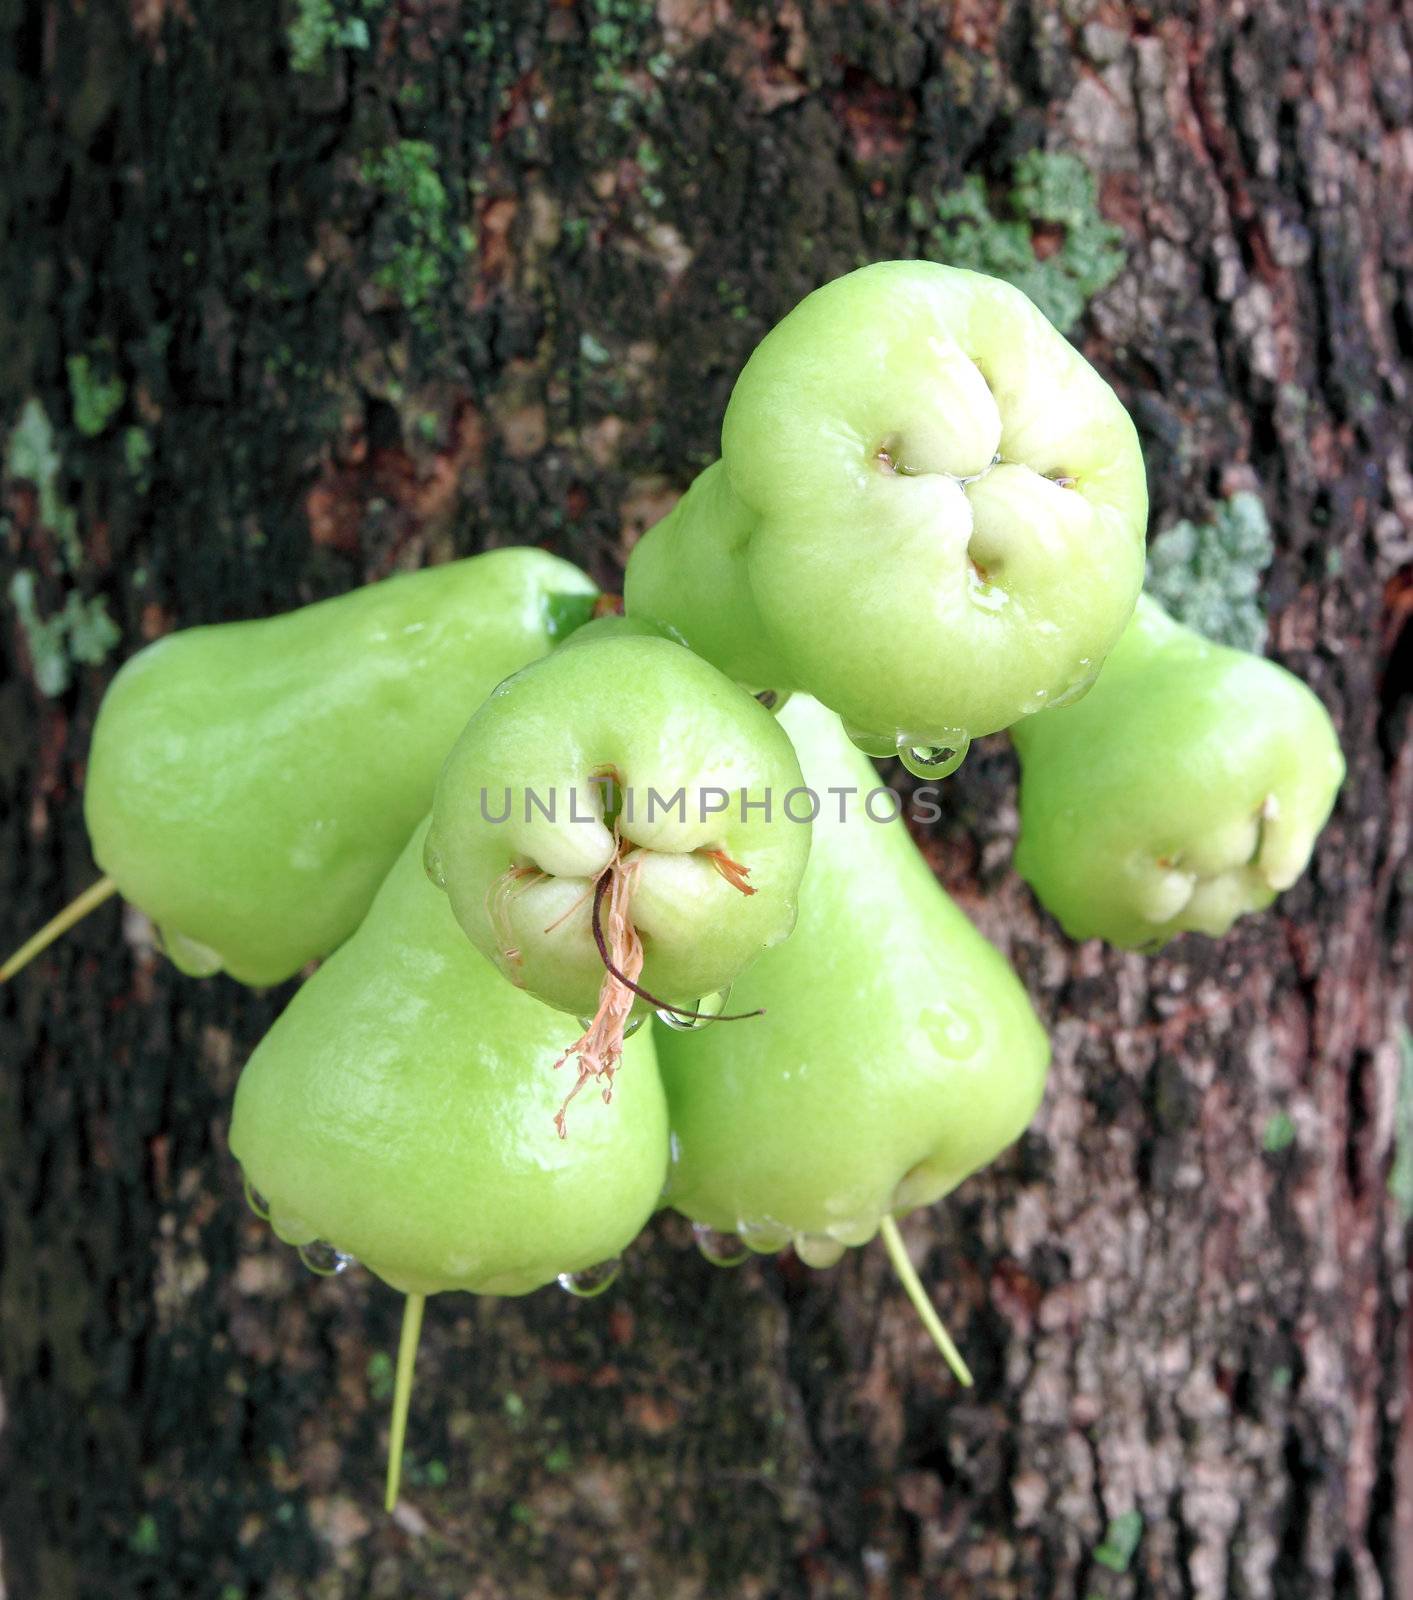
(319, 27)
(1208, 574)
(1400, 1179)
(82, 632)
(96, 391)
(1120, 1542)
(1049, 191)
(32, 456)
(418, 246)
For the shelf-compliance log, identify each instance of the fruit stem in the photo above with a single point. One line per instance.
(907, 1275)
(56, 927)
(407, 1344)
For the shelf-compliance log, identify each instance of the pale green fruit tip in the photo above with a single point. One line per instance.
(402, 1110)
(897, 1053)
(250, 783)
(929, 514)
(1187, 789)
(607, 754)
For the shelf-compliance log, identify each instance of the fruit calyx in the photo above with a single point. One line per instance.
(600, 1047)
(1204, 883)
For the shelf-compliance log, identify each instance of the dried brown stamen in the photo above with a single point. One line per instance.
(735, 872)
(600, 1047)
(512, 881)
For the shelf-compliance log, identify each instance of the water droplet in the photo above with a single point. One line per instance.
(857, 1231)
(591, 1281)
(257, 1201)
(435, 866)
(954, 1034)
(872, 744)
(1078, 687)
(817, 1249)
(937, 759)
(721, 1249)
(674, 1160)
(321, 1257)
(763, 1235)
(188, 956)
(711, 1006)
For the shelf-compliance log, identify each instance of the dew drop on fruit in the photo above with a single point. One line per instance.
(817, 1249)
(674, 1160)
(321, 1257)
(952, 1033)
(937, 759)
(857, 1231)
(872, 744)
(1079, 686)
(721, 1249)
(257, 1201)
(710, 1006)
(591, 1281)
(763, 1235)
(188, 956)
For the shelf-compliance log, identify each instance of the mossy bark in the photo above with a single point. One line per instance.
(480, 275)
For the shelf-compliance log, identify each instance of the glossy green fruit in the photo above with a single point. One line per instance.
(689, 571)
(930, 514)
(897, 1054)
(620, 749)
(402, 1110)
(251, 783)
(1187, 788)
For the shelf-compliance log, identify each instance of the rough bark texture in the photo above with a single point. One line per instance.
(330, 369)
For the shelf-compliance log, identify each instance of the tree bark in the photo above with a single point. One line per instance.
(1185, 1292)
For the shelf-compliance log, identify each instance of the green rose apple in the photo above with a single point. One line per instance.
(929, 513)
(609, 829)
(400, 1111)
(1186, 789)
(897, 1053)
(250, 784)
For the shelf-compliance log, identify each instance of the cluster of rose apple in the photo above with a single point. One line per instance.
(927, 524)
